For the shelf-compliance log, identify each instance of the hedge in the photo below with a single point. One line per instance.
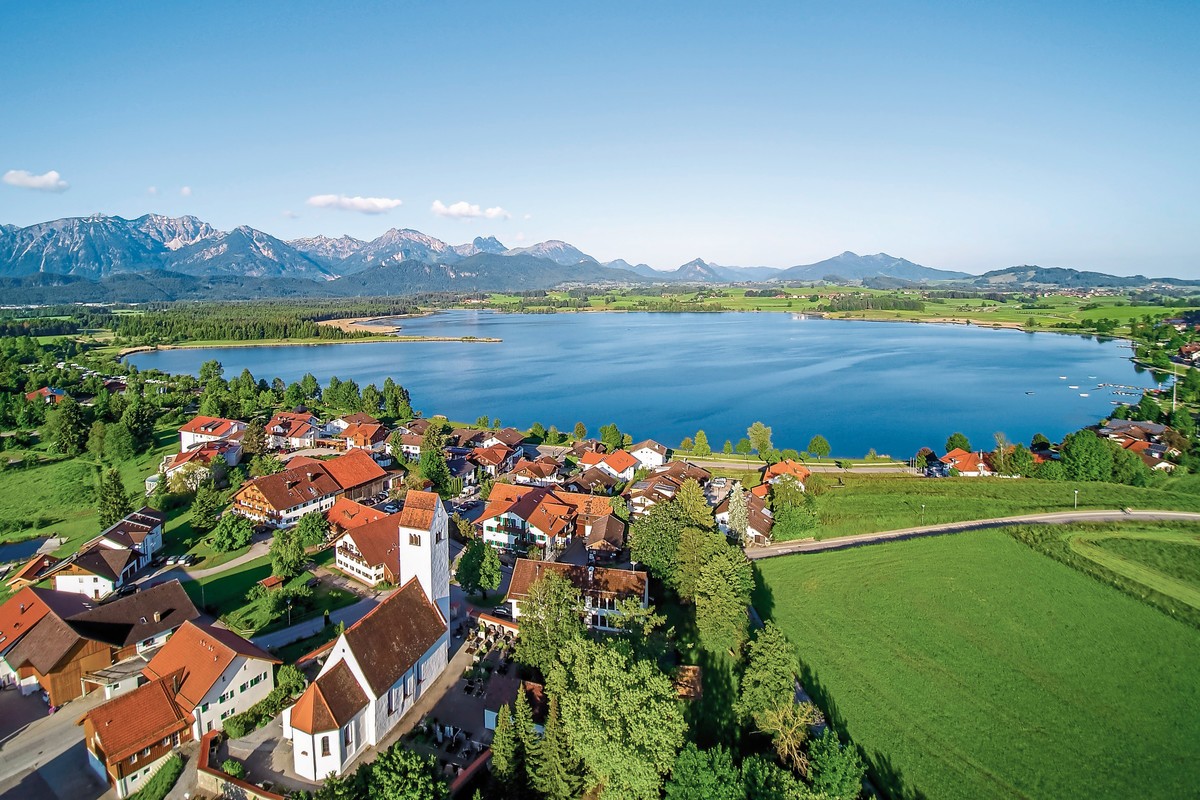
(288, 683)
(161, 782)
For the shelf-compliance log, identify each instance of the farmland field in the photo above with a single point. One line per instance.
(974, 666)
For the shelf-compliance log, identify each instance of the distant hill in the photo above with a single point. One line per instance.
(853, 267)
(557, 251)
(482, 272)
(1065, 278)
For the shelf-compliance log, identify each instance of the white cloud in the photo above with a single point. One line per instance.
(464, 210)
(291, 215)
(186, 191)
(363, 205)
(529, 216)
(152, 191)
(47, 182)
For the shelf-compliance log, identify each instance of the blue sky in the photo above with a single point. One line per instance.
(959, 135)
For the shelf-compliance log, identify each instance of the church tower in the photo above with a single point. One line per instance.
(425, 547)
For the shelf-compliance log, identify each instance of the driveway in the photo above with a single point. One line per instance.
(48, 759)
(1056, 518)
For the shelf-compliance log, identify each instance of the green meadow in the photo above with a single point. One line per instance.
(972, 666)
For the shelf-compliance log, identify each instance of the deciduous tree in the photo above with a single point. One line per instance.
(287, 553)
(701, 446)
(704, 775)
(818, 446)
(232, 532)
(695, 508)
(312, 529)
(789, 726)
(206, 506)
(722, 595)
(958, 441)
(1086, 457)
(654, 540)
(770, 676)
(402, 774)
(760, 438)
(67, 427)
(551, 618)
(833, 769)
(580, 430)
(478, 568)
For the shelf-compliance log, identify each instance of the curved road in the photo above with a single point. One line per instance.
(1057, 518)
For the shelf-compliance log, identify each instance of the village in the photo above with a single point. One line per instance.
(144, 673)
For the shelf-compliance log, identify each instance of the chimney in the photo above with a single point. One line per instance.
(158, 616)
(22, 608)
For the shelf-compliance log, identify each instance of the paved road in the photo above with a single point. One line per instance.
(1057, 518)
(302, 630)
(47, 758)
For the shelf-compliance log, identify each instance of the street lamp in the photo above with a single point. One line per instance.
(1076, 499)
(922, 513)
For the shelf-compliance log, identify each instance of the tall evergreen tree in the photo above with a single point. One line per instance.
(67, 426)
(112, 501)
(254, 438)
(555, 769)
(206, 506)
(739, 512)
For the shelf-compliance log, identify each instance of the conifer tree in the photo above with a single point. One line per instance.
(113, 502)
(555, 769)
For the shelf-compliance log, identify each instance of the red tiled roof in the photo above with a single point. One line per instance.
(379, 543)
(202, 652)
(138, 719)
(492, 456)
(389, 640)
(30, 571)
(604, 583)
(365, 434)
(353, 469)
(210, 426)
(786, 467)
(329, 702)
(359, 419)
(619, 461)
(591, 458)
(963, 461)
(295, 485)
(346, 514)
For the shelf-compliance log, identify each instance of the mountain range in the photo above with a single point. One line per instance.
(156, 257)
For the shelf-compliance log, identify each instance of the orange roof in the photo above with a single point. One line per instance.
(22, 611)
(137, 719)
(346, 514)
(354, 469)
(201, 652)
(211, 426)
(32, 568)
(493, 456)
(379, 543)
(329, 702)
(787, 467)
(964, 461)
(364, 433)
(419, 509)
(619, 461)
(591, 458)
(762, 490)
(600, 583)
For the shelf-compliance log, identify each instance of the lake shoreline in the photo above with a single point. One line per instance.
(382, 339)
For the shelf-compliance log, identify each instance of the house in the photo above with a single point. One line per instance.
(372, 553)
(493, 460)
(340, 424)
(969, 465)
(542, 471)
(593, 480)
(47, 395)
(345, 514)
(132, 735)
(58, 640)
(508, 437)
(220, 673)
(620, 464)
(289, 430)
(140, 530)
(370, 436)
(376, 670)
(788, 467)
(97, 571)
(196, 461)
(280, 500)
(606, 539)
(463, 440)
(416, 427)
(529, 516)
(586, 446)
(759, 520)
(201, 430)
(649, 453)
(602, 588)
(410, 446)
(32, 571)
(357, 473)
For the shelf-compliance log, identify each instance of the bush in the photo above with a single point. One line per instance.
(233, 767)
(161, 782)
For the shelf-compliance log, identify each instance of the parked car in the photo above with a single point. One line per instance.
(187, 560)
(158, 561)
(127, 590)
(502, 611)
(172, 560)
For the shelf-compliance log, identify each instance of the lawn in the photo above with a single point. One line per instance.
(868, 503)
(973, 666)
(225, 594)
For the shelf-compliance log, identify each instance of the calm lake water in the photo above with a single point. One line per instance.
(894, 387)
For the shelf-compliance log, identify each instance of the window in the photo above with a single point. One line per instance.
(242, 688)
(324, 745)
(145, 752)
(203, 708)
(391, 707)
(347, 740)
(133, 759)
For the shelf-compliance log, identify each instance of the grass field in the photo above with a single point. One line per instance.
(972, 666)
(868, 503)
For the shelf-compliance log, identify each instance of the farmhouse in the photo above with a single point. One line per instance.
(220, 674)
(306, 485)
(292, 430)
(201, 430)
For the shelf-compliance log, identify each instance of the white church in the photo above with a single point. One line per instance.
(381, 665)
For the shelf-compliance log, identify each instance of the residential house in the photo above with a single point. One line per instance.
(370, 436)
(602, 588)
(195, 463)
(520, 517)
(339, 425)
(586, 446)
(788, 467)
(542, 471)
(221, 674)
(620, 464)
(649, 453)
(57, 640)
(416, 427)
(410, 446)
(201, 430)
(493, 460)
(32, 571)
(140, 530)
(131, 736)
(376, 670)
(502, 691)
(593, 480)
(606, 539)
(969, 465)
(508, 437)
(46, 394)
(372, 553)
(97, 571)
(759, 520)
(463, 440)
(280, 500)
(292, 430)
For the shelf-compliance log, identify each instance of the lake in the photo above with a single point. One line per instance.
(894, 387)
